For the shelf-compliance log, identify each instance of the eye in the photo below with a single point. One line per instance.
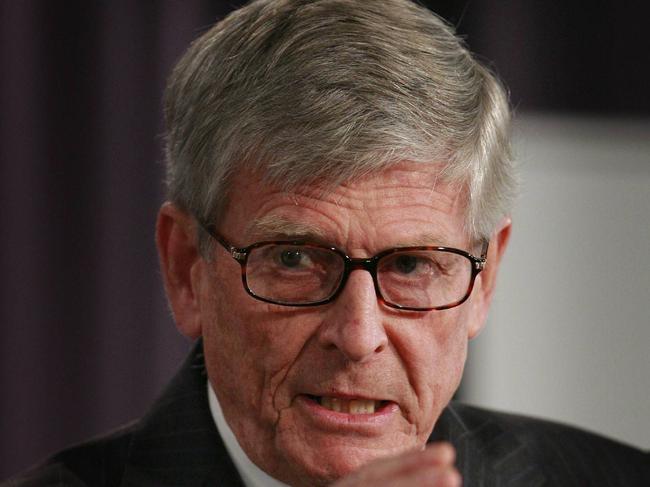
(291, 258)
(412, 265)
(406, 264)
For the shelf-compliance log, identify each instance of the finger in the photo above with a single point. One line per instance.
(425, 476)
(441, 453)
(423, 467)
(436, 454)
(430, 477)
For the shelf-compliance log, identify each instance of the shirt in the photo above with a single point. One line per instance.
(251, 474)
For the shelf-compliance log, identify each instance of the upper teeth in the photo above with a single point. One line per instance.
(351, 406)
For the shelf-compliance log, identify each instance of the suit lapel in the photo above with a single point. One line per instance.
(177, 443)
(487, 455)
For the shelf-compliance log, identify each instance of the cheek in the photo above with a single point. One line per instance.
(433, 352)
(250, 347)
(449, 350)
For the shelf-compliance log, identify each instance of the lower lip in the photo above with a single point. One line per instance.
(327, 418)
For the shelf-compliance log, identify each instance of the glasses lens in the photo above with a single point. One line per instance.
(424, 278)
(293, 274)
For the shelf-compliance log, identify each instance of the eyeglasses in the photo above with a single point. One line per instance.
(296, 273)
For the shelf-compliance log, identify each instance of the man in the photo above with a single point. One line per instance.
(339, 189)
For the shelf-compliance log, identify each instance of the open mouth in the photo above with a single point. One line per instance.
(349, 406)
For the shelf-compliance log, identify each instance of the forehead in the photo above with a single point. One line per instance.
(407, 204)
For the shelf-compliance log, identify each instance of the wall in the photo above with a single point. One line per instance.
(569, 333)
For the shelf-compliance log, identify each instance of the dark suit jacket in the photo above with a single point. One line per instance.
(177, 444)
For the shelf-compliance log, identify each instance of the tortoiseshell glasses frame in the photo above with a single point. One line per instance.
(343, 265)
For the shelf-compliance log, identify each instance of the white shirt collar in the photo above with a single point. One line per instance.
(251, 474)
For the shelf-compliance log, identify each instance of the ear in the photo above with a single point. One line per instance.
(486, 280)
(181, 265)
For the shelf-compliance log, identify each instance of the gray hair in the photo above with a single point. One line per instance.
(305, 91)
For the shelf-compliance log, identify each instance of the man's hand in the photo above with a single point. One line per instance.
(434, 466)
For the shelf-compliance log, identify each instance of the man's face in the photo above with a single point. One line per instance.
(271, 366)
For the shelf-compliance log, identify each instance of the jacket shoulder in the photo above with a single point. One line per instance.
(97, 462)
(565, 454)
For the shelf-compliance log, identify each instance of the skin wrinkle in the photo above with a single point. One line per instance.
(260, 356)
(290, 366)
(214, 298)
(349, 365)
(456, 94)
(422, 240)
(312, 94)
(274, 225)
(412, 381)
(405, 410)
(270, 380)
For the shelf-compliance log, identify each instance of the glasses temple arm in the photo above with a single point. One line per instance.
(484, 249)
(210, 230)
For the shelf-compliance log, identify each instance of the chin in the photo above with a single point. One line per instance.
(324, 473)
(322, 466)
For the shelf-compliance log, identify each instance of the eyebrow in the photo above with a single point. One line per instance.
(275, 226)
(272, 227)
(424, 239)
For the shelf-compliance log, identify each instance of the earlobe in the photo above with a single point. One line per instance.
(487, 278)
(180, 264)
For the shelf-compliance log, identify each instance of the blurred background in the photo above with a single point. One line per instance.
(86, 340)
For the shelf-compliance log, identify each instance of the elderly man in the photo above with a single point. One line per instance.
(339, 189)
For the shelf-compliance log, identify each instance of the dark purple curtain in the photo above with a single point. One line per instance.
(87, 341)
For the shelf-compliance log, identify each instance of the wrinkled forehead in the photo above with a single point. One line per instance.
(400, 189)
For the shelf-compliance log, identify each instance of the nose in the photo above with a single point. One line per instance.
(353, 323)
